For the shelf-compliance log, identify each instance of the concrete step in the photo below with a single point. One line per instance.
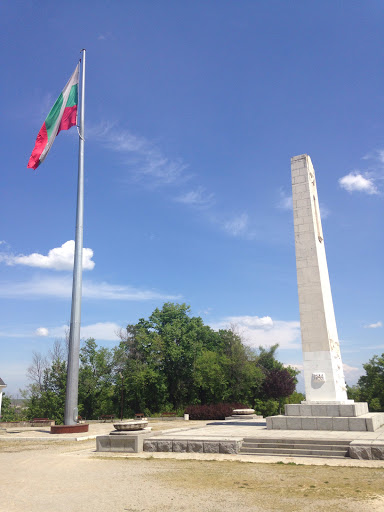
(295, 447)
(294, 452)
(320, 442)
(268, 454)
(292, 446)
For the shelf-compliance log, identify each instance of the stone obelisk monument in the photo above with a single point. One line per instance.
(323, 369)
(326, 406)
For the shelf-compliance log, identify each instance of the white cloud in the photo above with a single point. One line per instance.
(356, 182)
(101, 331)
(146, 161)
(252, 322)
(374, 326)
(196, 197)
(264, 331)
(377, 155)
(5, 334)
(42, 331)
(61, 288)
(14, 375)
(325, 212)
(352, 373)
(380, 155)
(59, 258)
(296, 366)
(285, 202)
(238, 226)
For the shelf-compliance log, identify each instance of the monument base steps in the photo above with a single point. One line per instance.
(295, 448)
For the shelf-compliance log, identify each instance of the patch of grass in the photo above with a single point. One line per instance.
(278, 482)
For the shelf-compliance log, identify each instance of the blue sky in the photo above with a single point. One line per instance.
(193, 111)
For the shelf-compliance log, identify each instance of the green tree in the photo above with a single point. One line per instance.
(95, 380)
(165, 362)
(266, 358)
(49, 400)
(45, 395)
(210, 377)
(371, 385)
(166, 348)
(243, 375)
(8, 412)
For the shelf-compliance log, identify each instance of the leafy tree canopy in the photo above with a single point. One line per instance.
(162, 363)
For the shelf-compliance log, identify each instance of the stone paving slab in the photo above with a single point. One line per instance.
(43, 434)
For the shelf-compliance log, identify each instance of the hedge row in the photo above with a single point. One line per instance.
(212, 411)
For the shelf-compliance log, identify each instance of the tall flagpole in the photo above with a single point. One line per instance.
(72, 391)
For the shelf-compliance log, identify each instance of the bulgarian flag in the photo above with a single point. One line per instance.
(63, 115)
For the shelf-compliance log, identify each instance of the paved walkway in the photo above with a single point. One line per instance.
(192, 430)
(241, 429)
(214, 430)
(43, 434)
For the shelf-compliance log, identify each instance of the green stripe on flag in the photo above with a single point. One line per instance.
(72, 99)
(52, 117)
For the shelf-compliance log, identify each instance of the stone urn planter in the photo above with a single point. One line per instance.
(124, 426)
(240, 412)
(244, 414)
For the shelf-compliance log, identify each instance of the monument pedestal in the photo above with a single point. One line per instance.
(123, 441)
(353, 417)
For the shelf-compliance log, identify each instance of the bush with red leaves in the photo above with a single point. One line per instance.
(212, 411)
(278, 383)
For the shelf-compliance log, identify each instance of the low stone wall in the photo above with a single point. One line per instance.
(367, 450)
(11, 424)
(128, 442)
(192, 446)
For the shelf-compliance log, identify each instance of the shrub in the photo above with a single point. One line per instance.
(278, 383)
(266, 407)
(212, 411)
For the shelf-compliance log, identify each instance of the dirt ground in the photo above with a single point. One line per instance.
(71, 476)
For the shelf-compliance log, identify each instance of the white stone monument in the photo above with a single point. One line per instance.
(323, 369)
(326, 406)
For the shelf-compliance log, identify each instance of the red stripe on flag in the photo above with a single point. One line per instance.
(69, 118)
(41, 142)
